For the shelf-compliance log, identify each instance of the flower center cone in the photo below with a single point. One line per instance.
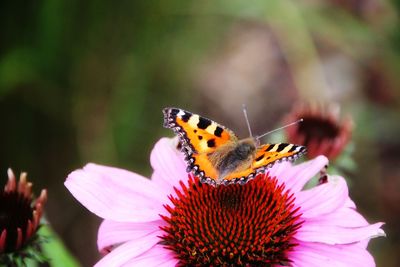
(248, 225)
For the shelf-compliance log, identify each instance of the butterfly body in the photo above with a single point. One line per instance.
(233, 157)
(217, 156)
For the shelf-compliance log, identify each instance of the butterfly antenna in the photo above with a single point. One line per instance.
(280, 128)
(247, 119)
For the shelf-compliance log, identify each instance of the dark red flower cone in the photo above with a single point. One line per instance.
(232, 225)
(20, 216)
(321, 131)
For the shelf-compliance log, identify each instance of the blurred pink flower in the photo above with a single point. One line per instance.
(149, 223)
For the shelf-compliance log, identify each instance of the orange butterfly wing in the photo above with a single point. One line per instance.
(269, 154)
(266, 156)
(199, 136)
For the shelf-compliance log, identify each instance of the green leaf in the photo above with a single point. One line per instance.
(55, 250)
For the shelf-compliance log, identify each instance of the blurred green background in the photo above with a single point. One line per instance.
(85, 81)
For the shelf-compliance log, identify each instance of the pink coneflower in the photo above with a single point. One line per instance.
(19, 220)
(173, 220)
(321, 131)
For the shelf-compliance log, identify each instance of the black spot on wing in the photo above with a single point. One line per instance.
(203, 123)
(173, 112)
(260, 158)
(186, 116)
(268, 148)
(211, 143)
(200, 137)
(281, 147)
(218, 131)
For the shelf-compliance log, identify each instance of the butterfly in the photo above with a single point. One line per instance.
(217, 156)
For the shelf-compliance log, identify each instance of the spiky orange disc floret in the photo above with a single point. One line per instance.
(235, 225)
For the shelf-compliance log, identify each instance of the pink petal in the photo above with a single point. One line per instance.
(363, 243)
(129, 250)
(281, 170)
(345, 217)
(324, 198)
(297, 176)
(317, 255)
(116, 194)
(332, 234)
(115, 233)
(168, 164)
(350, 203)
(126, 179)
(156, 256)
